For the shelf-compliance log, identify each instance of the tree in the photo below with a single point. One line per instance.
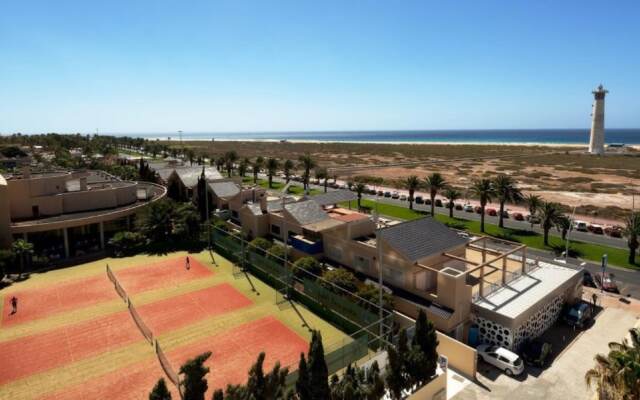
(230, 157)
(360, 188)
(616, 375)
(276, 252)
(533, 203)
(288, 168)
(303, 386)
(307, 164)
(266, 387)
(342, 278)
(125, 243)
(395, 376)
(219, 163)
(243, 167)
(451, 194)
(371, 293)
(426, 339)
(261, 244)
(202, 196)
(185, 221)
(506, 191)
(323, 174)
(484, 190)
(434, 182)
(194, 385)
(411, 184)
(6, 256)
(563, 225)
(272, 168)
(256, 166)
(550, 214)
(160, 391)
(632, 232)
(308, 264)
(22, 250)
(318, 372)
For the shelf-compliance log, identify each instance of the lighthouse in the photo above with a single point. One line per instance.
(596, 142)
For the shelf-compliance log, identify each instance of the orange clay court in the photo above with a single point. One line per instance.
(73, 337)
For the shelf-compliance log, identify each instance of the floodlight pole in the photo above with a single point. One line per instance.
(379, 248)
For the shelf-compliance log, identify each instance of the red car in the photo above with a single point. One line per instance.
(491, 212)
(606, 282)
(518, 216)
(613, 231)
(596, 229)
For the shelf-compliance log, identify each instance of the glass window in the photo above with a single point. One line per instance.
(393, 276)
(275, 229)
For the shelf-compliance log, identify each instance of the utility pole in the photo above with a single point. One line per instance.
(566, 251)
(380, 281)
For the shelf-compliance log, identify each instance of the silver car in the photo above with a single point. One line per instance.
(501, 358)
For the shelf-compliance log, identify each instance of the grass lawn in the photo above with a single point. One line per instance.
(587, 251)
(293, 189)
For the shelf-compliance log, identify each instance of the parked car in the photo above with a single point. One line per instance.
(491, 212)
(597, 229)
(505, 214)
(501, 358)
(536, 352)
(468, 208)
(387, 194)
(427, 202)
(438, 203)
(613, 231)
(395, 195)
(380, 193)
(450, 205)
(587, 279)
(419, 200)
(459, 207)
(581, 226)
(477, 209)
(403, 197)
(372, 192)
(518, 216)
(579, 315)
(534, 219)
(606, 282)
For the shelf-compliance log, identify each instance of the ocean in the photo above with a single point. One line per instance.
(506, 136)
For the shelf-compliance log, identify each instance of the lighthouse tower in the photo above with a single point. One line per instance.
(596, 143)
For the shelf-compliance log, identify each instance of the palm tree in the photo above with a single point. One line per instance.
(230, 157)
(22, 249)
(411, 184)
(563, 224)
(452, 195)
(219, 163)
(288, 167)
(435, 182)
(256, 166)
(322, 173)
(533, 202)
(243, 167)
(360, 187)
(617, 374)
(632, 232)
(506, 190)
(484, 191)
(272, 168)
(550, 214)
(307, 164)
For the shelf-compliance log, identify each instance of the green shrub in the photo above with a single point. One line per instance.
(261, 244)
(126, 243)
(308, 264)
(276, 252)
(341, 278)
(372, 294)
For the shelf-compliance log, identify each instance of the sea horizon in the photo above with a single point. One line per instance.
(630, 136)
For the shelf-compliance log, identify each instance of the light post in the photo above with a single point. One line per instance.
(566, 251)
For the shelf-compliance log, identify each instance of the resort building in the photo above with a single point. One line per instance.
(68, 214)
(474, 289)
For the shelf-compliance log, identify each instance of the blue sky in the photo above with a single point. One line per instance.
(211, 66)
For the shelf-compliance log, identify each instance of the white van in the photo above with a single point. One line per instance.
(581, 226)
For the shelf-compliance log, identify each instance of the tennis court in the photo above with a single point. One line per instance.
(104, 354)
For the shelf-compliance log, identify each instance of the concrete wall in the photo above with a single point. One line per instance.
(5, 219)
(462, 358)
(434, 390)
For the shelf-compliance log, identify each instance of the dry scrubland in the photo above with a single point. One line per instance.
(599, 186)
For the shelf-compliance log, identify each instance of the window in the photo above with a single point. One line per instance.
(361, 263)
(275, 229)
(234, 214)
(35, 210)
(393, 276)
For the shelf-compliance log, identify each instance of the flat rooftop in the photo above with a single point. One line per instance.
(522, 293)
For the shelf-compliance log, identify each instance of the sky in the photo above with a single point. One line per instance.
(258, 66)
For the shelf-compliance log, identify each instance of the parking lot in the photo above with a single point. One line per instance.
(573, 356)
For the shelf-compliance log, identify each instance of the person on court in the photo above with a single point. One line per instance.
(188, 264)
(14, 305)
